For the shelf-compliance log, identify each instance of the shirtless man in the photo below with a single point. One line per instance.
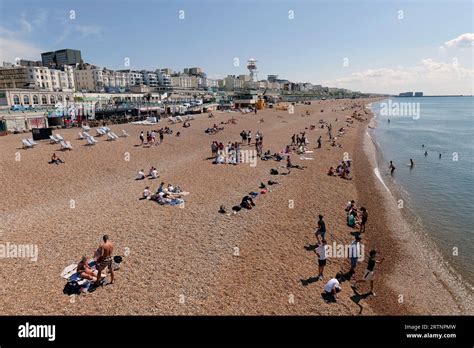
(105, 258)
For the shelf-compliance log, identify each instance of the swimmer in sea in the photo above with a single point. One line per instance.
(411, 163)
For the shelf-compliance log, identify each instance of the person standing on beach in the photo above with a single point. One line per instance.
(321, 231)
(363, 221)
(293, 140)
(319, 142)
(391, 167)
(105, 258)
(161, 136)
(249, 137)
(369, 272)
(142, 138)
(321, 251)
(354, 254)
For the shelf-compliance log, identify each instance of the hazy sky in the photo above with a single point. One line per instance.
(371, 46)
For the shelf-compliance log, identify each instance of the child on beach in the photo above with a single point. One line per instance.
(369, 272)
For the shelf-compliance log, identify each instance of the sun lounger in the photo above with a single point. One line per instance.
(86, 128)
(113, 134)
(59, 137)
(172, 120)
(54, 140)
(68, 143)
(125, 134)
(81, 136)
(100, 132)
(65, 145)
(110, 136)
(91, 140)
(26, 144)
(32, 142)
(179, 119)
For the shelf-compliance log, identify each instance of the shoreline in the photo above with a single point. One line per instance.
(418, 276)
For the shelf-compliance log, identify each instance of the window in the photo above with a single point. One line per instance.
(16, 100)
(60, 98)
(44, 100)
(35, 99)
(52, 100)
(26, 99)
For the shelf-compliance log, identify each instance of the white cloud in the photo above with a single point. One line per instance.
(13, 46)
(462, 41)
(429, 76)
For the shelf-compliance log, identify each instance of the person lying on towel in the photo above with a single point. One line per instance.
(85, 271)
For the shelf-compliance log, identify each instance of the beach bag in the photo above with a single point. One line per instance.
(72, 288)
(117, 261)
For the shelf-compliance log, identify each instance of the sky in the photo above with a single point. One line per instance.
(374, 46)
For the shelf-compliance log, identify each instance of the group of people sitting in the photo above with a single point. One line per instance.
(343, 170)
(152, 174)
(247, 201)
(214, 129)
(356, 218)
(170, 194)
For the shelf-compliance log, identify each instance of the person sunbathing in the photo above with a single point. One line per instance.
(290, 165)
(85, 271)
(331, 171)
(140, 175)
(55, 159)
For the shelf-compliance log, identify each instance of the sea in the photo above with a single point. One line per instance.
(437, 192)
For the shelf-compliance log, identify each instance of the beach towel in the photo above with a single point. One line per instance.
(306, 158)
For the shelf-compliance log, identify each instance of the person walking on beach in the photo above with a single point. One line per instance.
(369, 272)
(161, 136)
(105, 258)
(321, 231)
(391, 167)
(319, 142)
(249, 137)
(293, 140)
(321, 251)
(426, 153)
(142, 138)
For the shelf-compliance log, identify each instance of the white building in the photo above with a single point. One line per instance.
(150, 78)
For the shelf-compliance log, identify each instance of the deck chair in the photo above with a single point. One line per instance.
(32, 142)
(172, 120)
(59, 137)
(124, 133)
(100, 132)
(80, 136)
(86, 128)
(54, 140)
(91, 140)
(64, 146)
(68, 143)
(110, 136)
(26, 144)
(113, 134)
